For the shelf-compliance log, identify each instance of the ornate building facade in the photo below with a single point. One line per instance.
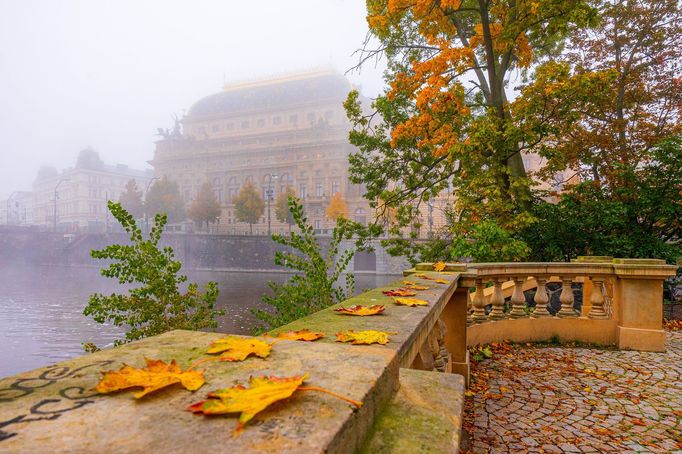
(290, 131)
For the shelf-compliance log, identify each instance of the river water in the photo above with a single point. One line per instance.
(41, 308)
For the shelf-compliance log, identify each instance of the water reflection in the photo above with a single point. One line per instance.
(41, 309)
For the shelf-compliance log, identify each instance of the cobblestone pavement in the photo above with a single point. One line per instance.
(566, 400)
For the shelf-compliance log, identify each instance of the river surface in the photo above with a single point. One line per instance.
(41, 310)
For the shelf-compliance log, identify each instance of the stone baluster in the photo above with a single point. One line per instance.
(541, 298)
(566, 298)
(497, 300)
(597, 298)
(518, 299)
(479, 303)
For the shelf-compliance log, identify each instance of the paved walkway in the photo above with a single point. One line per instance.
(565, 400)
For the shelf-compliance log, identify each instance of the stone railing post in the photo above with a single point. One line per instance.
(638, 300)
(454, 316)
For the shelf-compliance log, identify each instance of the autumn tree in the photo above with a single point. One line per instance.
(164, 197)
(282, 212)
(248, 205)
(446, 118)
(619, 83)
(337, 207)
(205, 207)
(131, 199)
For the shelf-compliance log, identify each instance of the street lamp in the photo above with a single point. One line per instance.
(269, 196)
(55, 201)
(8, 201)
(146, 216)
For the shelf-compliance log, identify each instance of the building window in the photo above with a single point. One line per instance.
(293, 119)
(260, 123)
(245, 125)
(317, 224)
(335, 187)
(303, 191)
(319, 191)
(276, 120)
(216, 128)
(229, 126)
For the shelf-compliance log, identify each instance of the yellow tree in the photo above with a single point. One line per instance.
(205, 207)
(337, 207)
(248, 205)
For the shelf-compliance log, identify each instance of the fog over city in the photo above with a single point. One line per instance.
(106, 75)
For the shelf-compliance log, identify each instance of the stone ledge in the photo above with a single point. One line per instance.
(54, 409)
(424, 417)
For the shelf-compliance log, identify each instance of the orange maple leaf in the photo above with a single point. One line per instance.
(155, 376)
(261, 393)
(439, 266)
(399, 292)
(239, 348)
(361, 310)
(301, 335)
(363, 337)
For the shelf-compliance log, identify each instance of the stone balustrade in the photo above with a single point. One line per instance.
(407, 407)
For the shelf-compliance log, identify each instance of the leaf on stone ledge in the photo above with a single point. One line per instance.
(410, 302)
(399, 292)
(361, 310)
(155, 376)
(424, 276)
(414, 286)
(239, 348)
(363, 337)
(301, 335)
(439, 266)
(441, 281)
(262, 392)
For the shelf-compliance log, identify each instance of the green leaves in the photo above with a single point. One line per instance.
(314, 286)
(157, 304)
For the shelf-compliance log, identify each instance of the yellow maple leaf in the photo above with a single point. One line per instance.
(399, 292)
(441, 281)
(361, 310)
(410, 302)
(439, 266)
(414, 286)
(302, 335)
(262, 391)
(423, 276)
(239, 348)
(363, 337)
(155, 376)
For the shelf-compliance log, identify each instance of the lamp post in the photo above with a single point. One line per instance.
(269, 196)
(55, 201)
(8, 201)
(146, 216)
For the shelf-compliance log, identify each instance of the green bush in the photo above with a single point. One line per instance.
(157, 305)
(314, 286)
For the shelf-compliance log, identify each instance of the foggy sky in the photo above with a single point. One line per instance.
(106, 74)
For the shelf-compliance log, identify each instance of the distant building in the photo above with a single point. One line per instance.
(81, 192)
(288, 131)
(17, 209)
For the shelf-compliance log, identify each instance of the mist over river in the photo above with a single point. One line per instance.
(41, 309)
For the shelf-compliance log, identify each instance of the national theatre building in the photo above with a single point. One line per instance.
(288, 131)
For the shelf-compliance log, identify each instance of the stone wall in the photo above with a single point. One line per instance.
(195, 251)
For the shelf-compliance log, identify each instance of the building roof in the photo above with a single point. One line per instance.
(272, 94)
